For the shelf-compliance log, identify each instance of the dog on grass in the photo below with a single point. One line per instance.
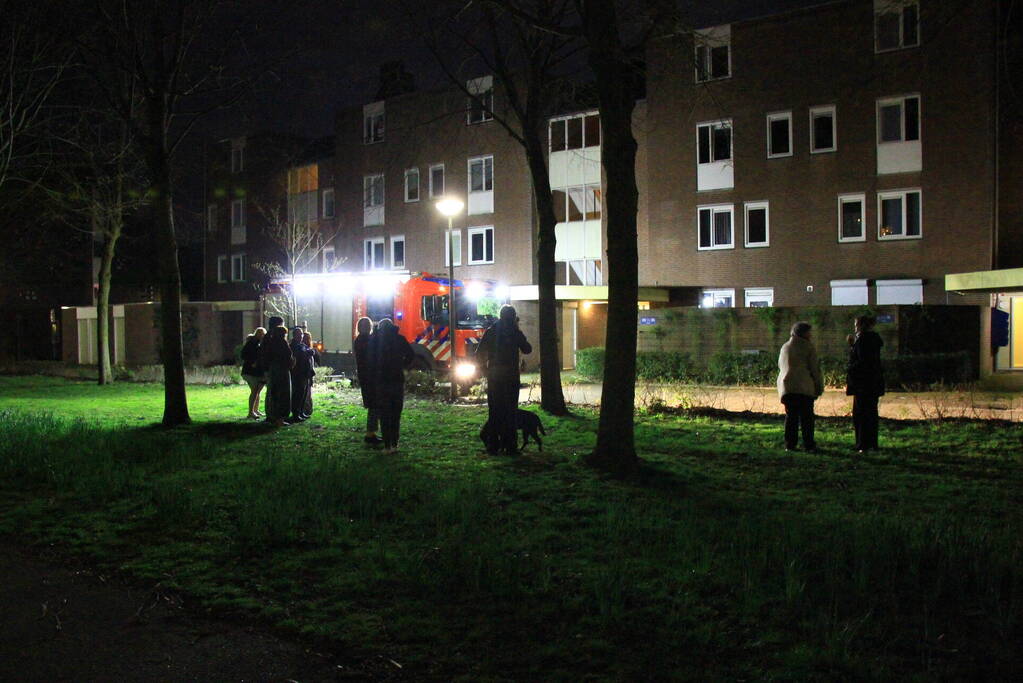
(526, 422)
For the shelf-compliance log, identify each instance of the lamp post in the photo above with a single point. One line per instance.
(451, 207)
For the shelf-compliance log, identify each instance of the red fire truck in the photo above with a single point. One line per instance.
(419, 307)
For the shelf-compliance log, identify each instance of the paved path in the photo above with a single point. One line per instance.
(834, 402)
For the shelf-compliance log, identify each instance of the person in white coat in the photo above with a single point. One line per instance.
(799, 384)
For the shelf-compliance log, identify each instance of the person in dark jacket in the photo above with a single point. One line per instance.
(389, 355)
(307, 407)
(499, 351)
(360, 347)
(276, 358)
(301, 374)
(865, 381)
(252, 371)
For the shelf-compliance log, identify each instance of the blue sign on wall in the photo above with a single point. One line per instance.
(885, 318)
(648, 321)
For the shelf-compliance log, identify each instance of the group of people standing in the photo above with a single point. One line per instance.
(800, 383)
(286, 368)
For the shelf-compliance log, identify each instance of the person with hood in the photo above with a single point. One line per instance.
(499, 351)
(800, 383)
(277, 360)
(389, 355)
(865, 381)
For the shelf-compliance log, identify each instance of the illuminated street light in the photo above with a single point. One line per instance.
(451, 207)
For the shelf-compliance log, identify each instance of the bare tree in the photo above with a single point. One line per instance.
(529, 64)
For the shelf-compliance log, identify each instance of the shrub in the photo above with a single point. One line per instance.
(664, 365)
(729, 367)
(926, 369)
(322, 372)
(423, 383)
(590, 362)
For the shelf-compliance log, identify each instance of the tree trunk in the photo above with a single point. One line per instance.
(106, 375)
(552, 398)
(615, 450)
(175, 401)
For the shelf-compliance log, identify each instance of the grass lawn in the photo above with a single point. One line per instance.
(726, 557)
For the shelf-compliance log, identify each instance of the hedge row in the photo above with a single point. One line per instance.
(761, 369)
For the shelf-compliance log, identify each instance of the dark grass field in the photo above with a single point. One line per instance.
(725, 557)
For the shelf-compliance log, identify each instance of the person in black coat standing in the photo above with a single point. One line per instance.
(499, 350)
(389, 355)
(365, 375)
(301, 374)
(865, 381)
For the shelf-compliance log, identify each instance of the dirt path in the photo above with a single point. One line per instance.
(834, 403)
(66, 623)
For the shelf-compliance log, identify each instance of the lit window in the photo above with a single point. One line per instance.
(896, 24)
(481, 245)
(437, 180)
(779, 134)
(757, 224)
(899, 215)
(412, 185)
(713, 53)
(398, 252)
(759, 297)
(373, 254)
(373, 123)
(823, 137)
(714, 226)
(481, 100)
(850, 218)
(717, 298)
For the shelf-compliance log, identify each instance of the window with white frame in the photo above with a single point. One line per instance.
(222, 274)
(823, 130)
(329, 259)
(211, 218)
(714, 226)
(398, 252)
(373, 199)
(328, 203)
(896, 24)
(714, 167)
(577, 203)
(899, 214)
(851, 220)
(759, 297)
(481, 245)
(713, 56)
(453, 242)
(237, 155)
(481, 185)
(717, 298)
(574, 132)
(579, 272)
(412, 185)
(238, 267)
(481, 100)
(779, 134)
(758, 224)
(898, 119)
(437, 180)
(238, 221)
(373, 254)
(373, 123)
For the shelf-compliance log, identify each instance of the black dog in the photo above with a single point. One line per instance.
(528, 422)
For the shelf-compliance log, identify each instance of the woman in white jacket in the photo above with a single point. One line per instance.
(799, 384)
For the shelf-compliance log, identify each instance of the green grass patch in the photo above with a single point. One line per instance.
(725, 557)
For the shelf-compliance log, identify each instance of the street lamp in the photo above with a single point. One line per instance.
(451, 207)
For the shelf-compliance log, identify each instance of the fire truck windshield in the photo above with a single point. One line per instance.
(472, 314)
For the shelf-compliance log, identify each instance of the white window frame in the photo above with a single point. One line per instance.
(481, 89)
(480, 201)
(237, 213)
(409, 173)
(714, 294)
(237, 155)
(751, 294)
(433, 190)
(324, 202)
(371, 113)
(715, 174)
(714, 210)
(481, 230)
(372, 213)
(766, 206)
(404, 254)
(704, 40)
(238, 267)
(861, 199)
(223, 272)
(816, 112)
(901, 194)
(456, 248)
(771, 118)
(883, 6)
(901, 101)
(712, 126)
(369, 256)
(211, 218)
(328, 259)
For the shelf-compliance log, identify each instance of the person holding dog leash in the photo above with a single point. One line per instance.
(499, 352)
